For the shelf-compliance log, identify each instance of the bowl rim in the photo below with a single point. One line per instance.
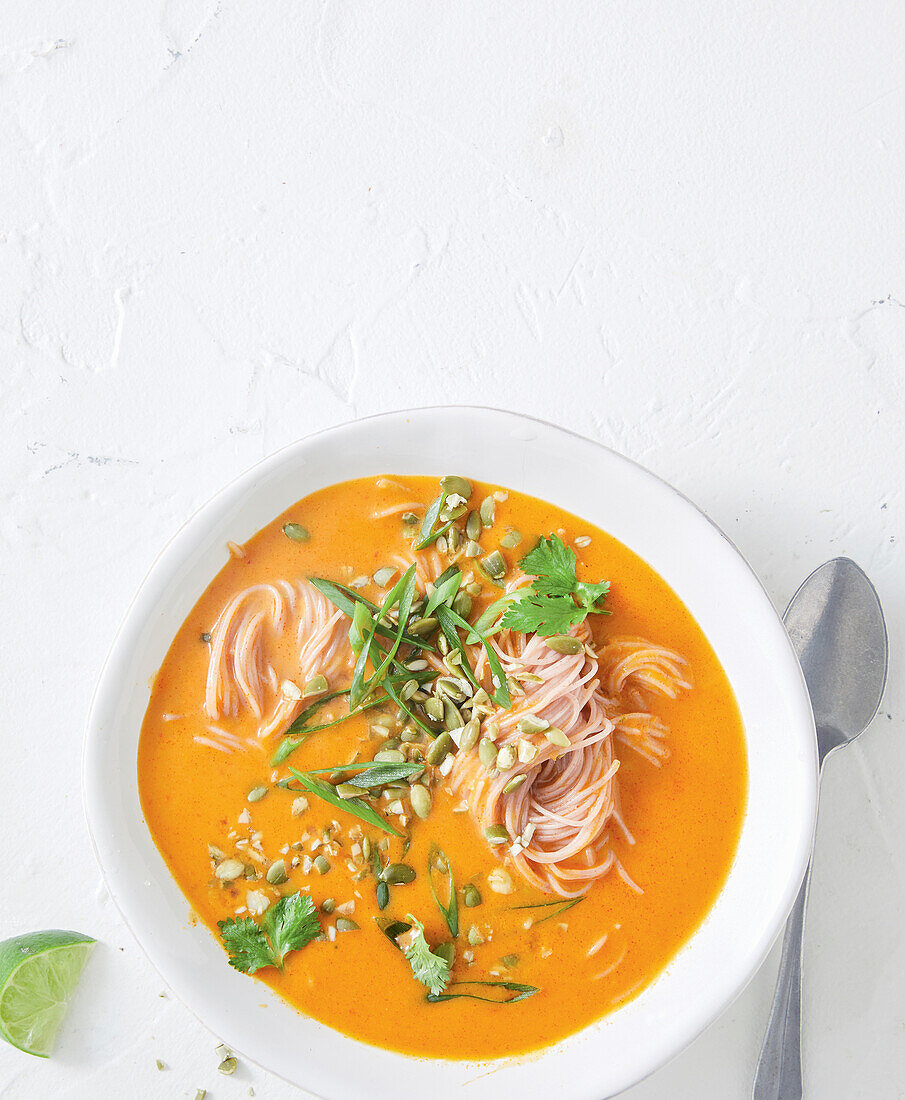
(98, 806)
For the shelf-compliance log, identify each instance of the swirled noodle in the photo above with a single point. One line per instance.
(241, 674)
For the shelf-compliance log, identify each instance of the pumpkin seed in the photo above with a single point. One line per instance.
(228, 1066)
(492, 731)
(397, 874)
(229, 870)
(470, 735)
(474, 588)
(488, 511)
(556, 737)
(451, 483)
(511, 539)
(317, 685)
(416, 666)
(256, 794)
(563, 643)
(497, 834)
(408, 689)
(487, 752)
(471, 895)
(440, 749)
(473, 549)
(454, 538)
(348, 790)
(343, 924)
(420, 798)
(474, 936)
(500, 881)
(423, 627)
(383, 895)
(276, 873)
(506, 758)
(214, 852)
(411, 736)
(451, 688)
(494, 565)
(409, 519)
(510, 961)
(462, 605)
(385, 575)
(532, 724)
(328, 905)
(447, 952)
(296, 532)
(514, 783)
(473, 526)
(321, 865)
(527, 751)
(389, 756)
(434, 708)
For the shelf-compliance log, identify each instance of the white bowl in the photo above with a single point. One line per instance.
(706, 572)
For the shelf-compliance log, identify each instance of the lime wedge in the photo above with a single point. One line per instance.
(38, 974)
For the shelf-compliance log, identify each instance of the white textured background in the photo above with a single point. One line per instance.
(677, 227)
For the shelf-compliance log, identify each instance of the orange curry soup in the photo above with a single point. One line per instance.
(684, 816)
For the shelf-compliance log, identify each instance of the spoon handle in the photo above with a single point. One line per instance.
(779, 1069)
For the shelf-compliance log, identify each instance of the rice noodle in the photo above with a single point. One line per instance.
(241, 674)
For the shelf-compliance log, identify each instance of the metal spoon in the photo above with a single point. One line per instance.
(837, 629)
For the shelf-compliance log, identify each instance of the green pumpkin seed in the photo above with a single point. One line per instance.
(556, 737)
(511, 539)
(423, 627)
(408, 689)
(296, 532)
(343, 924)
(228, 1066)
(411, 736)
(474, 936)
(322, 865)
(510, 961)
(475, 588)
(443, 645)
(409, 519)
(470, 735)
(433, 707)
(451, 483)
(487, 752)
(398, 874)
(317, 685)
(488, 511)
(276, 873)
(473, 526)
(348, 790)
(454, 538)
(440, 749)
(447, 952)
(389, 756)
(497, 834)
(420, 798)
(256, 794)
(494, 565)
(473, 549)
(532, 724)
(385, 575)
(462, 605)
(492, 731)
(383, 895)
(506, 758)
(514, 783)
(451, 688)
(327, 906)
(564, 643)
(471, 895)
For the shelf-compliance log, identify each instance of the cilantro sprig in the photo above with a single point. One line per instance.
(289, 925)
(430, 969)
(557, 600)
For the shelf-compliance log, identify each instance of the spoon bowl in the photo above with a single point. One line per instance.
(836, 626)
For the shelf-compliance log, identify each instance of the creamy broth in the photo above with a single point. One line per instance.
(684, 815)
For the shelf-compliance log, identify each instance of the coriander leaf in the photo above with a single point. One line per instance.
(589, 594)
(430, 969)
(544, 615)
(247, 945)
(552, 563)
(291, 923)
